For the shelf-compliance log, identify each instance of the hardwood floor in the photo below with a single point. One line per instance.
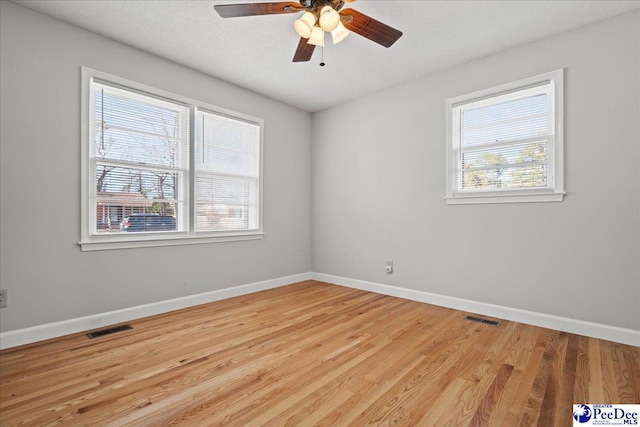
(315, 354)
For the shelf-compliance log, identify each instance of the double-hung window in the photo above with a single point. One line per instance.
(505, 144)
(162, 169)
(227, 173)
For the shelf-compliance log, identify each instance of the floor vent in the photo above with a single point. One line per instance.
(481, 320)
(109, 331)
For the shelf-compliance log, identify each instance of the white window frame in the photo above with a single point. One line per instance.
(92, 241)
(555, 167)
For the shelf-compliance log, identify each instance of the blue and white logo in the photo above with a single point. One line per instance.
(581, 413)
(606, 414)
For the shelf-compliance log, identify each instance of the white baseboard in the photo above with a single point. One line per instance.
(57, 329)
(580, 327)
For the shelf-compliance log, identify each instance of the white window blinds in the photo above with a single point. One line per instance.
(505, 144)
(227, 173)
(139, 155)
(161, 169)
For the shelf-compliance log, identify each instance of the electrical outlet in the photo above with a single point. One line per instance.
(389, 267)
(3, 298)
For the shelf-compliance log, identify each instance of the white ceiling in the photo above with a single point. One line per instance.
(255, 52)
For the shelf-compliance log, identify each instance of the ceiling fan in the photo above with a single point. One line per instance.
(319, 16)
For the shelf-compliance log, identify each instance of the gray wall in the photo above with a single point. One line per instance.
(379, 183)
(47, 276)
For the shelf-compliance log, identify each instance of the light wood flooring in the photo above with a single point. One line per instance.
(315, 354)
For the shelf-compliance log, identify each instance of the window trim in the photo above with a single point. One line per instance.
(555, 194)
(89, 242)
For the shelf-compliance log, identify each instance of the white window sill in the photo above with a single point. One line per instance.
(120, 242)
(470, 199)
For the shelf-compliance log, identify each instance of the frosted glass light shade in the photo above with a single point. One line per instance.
(340, 33)
(329, 18)
(305, 24)
(317, 36)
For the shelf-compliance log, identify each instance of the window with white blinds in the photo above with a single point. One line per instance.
(140, 155)
(162, 169)
(505, 143)
(227, 173)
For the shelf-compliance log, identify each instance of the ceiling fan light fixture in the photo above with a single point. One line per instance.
(319, 16)
(305, 24)
(329, 19)
(317, 37)
(340, 33)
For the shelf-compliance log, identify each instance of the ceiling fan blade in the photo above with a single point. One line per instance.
(251, 9)
(304, 51)
(370, 28)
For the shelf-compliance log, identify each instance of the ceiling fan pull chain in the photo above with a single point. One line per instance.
(322, 56)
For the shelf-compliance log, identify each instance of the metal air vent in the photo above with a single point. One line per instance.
(108, 331)
(481, 320)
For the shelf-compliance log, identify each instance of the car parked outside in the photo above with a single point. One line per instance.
(148, 222)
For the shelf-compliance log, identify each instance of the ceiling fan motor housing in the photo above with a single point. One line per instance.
(317, 5)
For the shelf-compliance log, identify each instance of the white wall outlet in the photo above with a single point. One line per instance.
(389, 267)
(3, 298)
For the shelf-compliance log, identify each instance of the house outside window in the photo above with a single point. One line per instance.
(505, 144)
(180, 170)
